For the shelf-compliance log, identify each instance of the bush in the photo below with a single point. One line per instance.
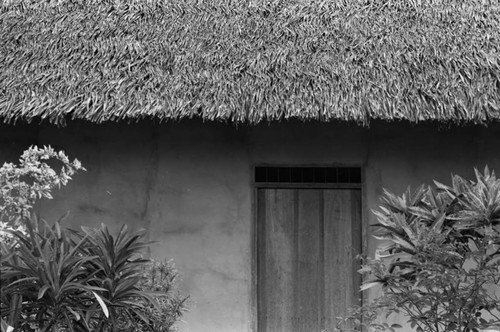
(59, 279)
(440, 264)
(161, 278)
(21, 185)
(47, 281)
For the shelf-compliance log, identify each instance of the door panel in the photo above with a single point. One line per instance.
(275, 295)
(307, 304)
(306, 243)
(342, 238)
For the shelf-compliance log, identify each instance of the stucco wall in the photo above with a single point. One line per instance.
(189, 183)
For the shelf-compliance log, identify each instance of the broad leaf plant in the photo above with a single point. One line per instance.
(59, 279)
(439, 264)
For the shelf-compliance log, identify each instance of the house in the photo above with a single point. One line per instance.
(252, 139)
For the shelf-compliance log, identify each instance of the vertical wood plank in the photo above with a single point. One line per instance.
(357, 245)
(276, 259)
(308, 286)
(342, 219)
(307, 241)
(261, 256)
(321, 262)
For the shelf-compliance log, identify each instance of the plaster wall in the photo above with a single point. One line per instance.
(190, 185)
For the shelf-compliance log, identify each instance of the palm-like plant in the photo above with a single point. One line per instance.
(62, 279)
(119, 267)
(46, 280)
(440, 263)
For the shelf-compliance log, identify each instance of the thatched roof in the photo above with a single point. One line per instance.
(250, 60)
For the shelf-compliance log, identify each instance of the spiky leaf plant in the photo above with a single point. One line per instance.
(46, 280)
(58, 279)
(440, 262)
(162, 278)
(120, 269)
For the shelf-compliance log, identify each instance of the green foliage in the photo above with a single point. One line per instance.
(440, 264)
(5, 327)
(59, 279)
(119, 271)
(366, 318)
(47, 280)
(21, 185)
(161, 278)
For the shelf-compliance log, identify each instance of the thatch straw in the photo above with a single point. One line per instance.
(249, 61)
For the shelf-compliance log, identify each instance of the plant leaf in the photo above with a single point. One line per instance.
(102, 304)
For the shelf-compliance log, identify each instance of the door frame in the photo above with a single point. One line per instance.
(254, 228)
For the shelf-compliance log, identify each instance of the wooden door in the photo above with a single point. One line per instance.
(307, 241)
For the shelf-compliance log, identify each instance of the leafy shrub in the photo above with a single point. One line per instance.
(161, 278)
(59, 279)
(118, 266)
(440, 265)
(47, 281)
(21, 185)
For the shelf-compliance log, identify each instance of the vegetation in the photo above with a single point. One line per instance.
(440, 265)
(59, 279)
(250, 60)
(32, 179)
(161, 277)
